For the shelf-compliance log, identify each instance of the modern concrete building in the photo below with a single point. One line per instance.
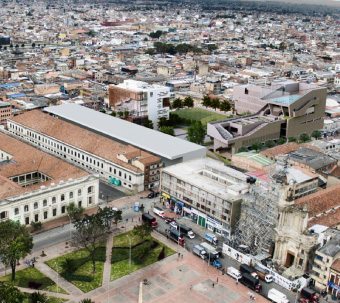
(36, 186)
(5, 112)
(282, 110)
(141, 100)
(205, 191)
(122, 164)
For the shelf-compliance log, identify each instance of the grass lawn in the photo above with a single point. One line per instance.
(199, 114)
(120, 256)
(82, 277)
(49, 299)
(31, 274)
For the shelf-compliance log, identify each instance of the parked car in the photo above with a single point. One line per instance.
(152, 195)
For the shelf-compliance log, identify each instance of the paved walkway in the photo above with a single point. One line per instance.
(48, 293)
(107, 264)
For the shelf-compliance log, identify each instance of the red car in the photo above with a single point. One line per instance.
(169, 220)
(302, 300)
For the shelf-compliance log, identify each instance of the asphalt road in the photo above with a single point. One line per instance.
(108, 193)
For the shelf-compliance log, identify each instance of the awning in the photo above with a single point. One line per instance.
(165, 195)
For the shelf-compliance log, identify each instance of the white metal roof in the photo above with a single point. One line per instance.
(147, 139)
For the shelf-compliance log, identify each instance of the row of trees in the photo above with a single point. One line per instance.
(178, 103)
(270, 143)
(164, 48)
(17, 46)
(215, 103)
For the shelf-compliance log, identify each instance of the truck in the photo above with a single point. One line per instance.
(265, 276)
(198, 250)
(176, 236)
(211, 239)
(187, 231)
(159, 212)
(210, 249)
(234, 273)
(216, 263)
(244, 268)
(277, 296)
(251, 282)
(309, 294)
(149, 219)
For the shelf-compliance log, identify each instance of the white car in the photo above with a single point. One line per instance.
(173, 225)
(234, 273)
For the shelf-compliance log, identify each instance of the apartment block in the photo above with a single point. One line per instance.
(206, 192)
(5, 112)
(141, 100)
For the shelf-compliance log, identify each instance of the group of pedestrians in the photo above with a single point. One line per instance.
(180, 256)
(30, 263)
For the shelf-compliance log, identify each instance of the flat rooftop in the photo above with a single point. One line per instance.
(145, 138)
(190, 172)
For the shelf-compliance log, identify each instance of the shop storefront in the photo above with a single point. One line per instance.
(214, 225)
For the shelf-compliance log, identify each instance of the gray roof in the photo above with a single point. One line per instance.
(147, 139)
(311, 157)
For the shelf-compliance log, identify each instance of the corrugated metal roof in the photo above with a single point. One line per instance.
(148, 139)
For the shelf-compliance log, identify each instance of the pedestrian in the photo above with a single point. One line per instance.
(179, 255)
(182, 256)
(326, 298)
(236, 281)
(190, 287)
(250, 295)
(138, 219)
(217, 280)
(213, 285)
(148, 212)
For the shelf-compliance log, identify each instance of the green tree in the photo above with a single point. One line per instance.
(113, 114)
(15, 243)
(148, 124)
(86, 301)
(206, 101)
(37, 297)
(212, 48)
(36, 225)
(162, 121)
(89, 235)
(75, 212)
(281, 141)
(225, 106)
(33, 45)
(144, 230)
(196, 132)
(316, 134)
(292, 139)
(242, 149)
(30, 27)
(167, 130)
(150, 51)
(282, 46)
(256, 146)
(215, 103)
(91, 33)
(10, 294)
(269, 143)
(177, 103)
(11, 45)
(304, 137)
(22, 45)
(107, 215)
(126, 113)
(17, 46)
(120, 114)
(188, 102)
(68, 265)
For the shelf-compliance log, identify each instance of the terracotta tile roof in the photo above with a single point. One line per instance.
(336, 265)
(29, 159)
(83, 139)
(335, 171)
(330, 219)
(280, 150)
(320, 201)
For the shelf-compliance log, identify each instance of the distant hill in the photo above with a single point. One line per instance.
(333, 3)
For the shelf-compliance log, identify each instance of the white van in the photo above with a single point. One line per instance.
(234, 273)
(277, 296)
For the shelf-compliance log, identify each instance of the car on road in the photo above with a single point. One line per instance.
(169, 220)
(173, 225)
(152, 195)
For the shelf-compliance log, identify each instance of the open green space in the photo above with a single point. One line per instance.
(82, 275)
(121, 253)
(199, 114)
(31, 274)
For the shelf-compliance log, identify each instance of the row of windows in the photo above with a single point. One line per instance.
(73, 153)
(90, 190)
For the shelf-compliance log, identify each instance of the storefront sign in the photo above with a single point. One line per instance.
(336, 287)
(211, 220)
(165, 195)
(187, 210)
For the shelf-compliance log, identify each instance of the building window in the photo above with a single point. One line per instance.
(26, 208)
(54, 212)
(54, 200)
(63, 209)
(319, 257)
(79, 203)
(62, 198)
(71, 195)
(36, 217)
(120, 173)
(27, 220)
(35, 205)
(3, 215)
(90, 190)
(45, 203)
(79, 192)
(45, 215)
(90, 200)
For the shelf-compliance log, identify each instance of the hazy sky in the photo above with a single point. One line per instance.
(321, 2)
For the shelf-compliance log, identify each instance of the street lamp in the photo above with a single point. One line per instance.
(129, 254)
